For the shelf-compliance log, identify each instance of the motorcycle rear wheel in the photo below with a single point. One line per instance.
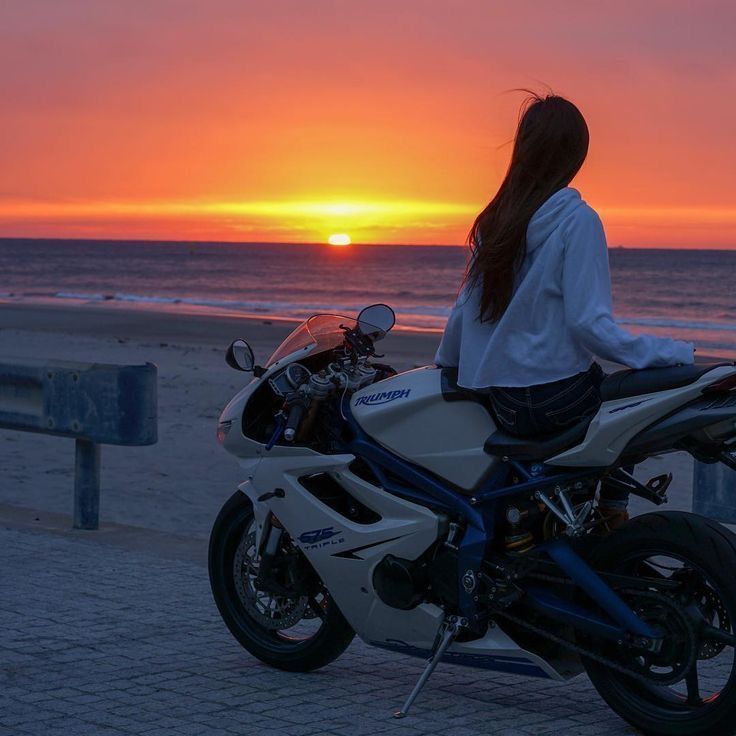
(681, 547)
(314, 631)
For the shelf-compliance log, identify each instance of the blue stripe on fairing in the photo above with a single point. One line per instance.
(498, 663)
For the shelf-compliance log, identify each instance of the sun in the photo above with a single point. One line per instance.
(339, 239)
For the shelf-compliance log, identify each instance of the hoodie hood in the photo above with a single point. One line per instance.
(550, 215)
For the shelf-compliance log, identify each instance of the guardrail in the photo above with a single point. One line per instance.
(714, 491)
(94, 403)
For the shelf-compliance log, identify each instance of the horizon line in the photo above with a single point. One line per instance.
(321, 244)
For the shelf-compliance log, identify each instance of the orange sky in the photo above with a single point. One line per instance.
(289, 121)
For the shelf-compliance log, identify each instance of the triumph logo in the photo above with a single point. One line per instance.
(384, 397)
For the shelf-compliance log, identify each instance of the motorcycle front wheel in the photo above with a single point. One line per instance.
(688, 688)
(295, 632)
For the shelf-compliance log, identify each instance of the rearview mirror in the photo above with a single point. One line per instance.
(376, 320)
(240, 356)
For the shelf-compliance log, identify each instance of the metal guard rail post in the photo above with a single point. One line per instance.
(714, 491)
(94, 403)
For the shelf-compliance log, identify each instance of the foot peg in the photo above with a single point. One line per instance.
(658, 487)
(451, 628)
(655, 490)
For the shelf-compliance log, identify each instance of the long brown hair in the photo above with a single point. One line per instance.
(550, 146)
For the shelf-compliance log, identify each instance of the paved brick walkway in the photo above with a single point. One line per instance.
(97, 639)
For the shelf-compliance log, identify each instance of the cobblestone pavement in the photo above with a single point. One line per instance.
(97, 639)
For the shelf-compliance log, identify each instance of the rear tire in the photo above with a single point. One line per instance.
(294, 655)
(709, 550)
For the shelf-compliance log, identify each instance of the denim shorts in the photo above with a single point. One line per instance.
(548, 408)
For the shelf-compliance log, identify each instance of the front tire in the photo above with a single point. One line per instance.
(701, 554)
(291, 650)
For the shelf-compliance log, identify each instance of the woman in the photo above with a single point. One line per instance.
(535, 307)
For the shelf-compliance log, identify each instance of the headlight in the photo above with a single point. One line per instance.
(222, 429)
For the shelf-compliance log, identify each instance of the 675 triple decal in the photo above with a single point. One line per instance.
(320, 537)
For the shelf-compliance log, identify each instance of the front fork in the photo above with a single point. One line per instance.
(261, 511)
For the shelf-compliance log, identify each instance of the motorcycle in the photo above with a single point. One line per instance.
(389, 505)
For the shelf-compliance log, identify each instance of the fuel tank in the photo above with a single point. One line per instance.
(444, 432)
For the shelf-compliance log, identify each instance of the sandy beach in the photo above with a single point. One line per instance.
(178, 484)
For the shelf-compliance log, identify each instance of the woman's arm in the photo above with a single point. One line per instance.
(586, 287)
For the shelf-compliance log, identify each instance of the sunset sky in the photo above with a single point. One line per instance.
(388, 121)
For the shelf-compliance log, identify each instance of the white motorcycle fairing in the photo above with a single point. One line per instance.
(619, 420)
(409, 415)
(345, 554)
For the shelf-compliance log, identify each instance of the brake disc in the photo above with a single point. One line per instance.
(271, 611)
(710, 609)
(711, 606)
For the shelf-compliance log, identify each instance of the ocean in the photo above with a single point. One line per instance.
(681, 293)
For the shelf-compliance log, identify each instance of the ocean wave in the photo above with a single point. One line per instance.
(298, 309)
(281, 308)
(80, 295)
(676, 323)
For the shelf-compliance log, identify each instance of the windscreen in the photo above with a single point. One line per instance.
(322, 330)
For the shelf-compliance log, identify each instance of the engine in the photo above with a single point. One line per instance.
(404, 584)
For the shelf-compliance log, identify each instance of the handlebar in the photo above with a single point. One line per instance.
(358, 342)
(296, 411)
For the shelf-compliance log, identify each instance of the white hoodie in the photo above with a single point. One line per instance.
(560, 313)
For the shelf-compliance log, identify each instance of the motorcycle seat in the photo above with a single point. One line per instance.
(626, 383)
(501, 444)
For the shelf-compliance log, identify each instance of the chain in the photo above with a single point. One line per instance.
(593, 655)
(557, 580)
(573, 647)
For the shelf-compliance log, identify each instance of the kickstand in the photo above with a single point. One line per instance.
(451, 628)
